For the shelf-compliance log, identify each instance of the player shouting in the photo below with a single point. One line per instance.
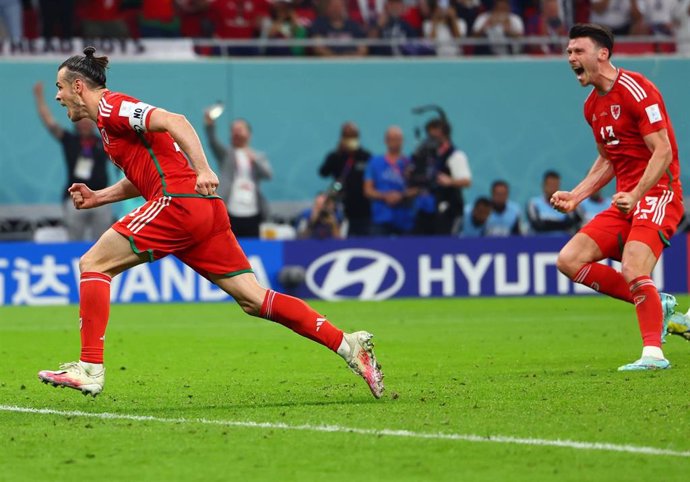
(637, 146)
(182, 216)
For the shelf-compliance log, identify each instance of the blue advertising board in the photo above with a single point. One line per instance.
(376, 269)
(366, 268)
(48, 274)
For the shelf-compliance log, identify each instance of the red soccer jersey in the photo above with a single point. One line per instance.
(152, 161)
(620, 119)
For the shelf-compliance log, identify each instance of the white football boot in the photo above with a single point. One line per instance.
(360, 357)
(75, 375)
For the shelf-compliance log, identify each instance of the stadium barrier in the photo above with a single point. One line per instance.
(367, 269)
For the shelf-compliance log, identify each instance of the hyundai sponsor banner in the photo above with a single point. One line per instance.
(376, 269)
(368, 269)
(48, 274)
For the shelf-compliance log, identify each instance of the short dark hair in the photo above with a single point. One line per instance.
(551, 174)
(90, 67)
(497, 183)
(439, 123)
(482, 201)
(599, 34)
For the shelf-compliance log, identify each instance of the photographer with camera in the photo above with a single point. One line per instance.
(346, 165)
(321, 220)
(439, 171)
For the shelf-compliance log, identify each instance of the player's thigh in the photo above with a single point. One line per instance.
(112, 254)
(245, 290)
(221, 259)
(579, 251)
(609, 230)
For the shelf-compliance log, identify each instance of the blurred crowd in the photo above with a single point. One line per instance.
(395, 194)
(405, 27)
(392, 190)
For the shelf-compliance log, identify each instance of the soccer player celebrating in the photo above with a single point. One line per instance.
(637, 146)
(182, 215)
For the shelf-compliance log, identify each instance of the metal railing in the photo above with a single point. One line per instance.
(425, 46)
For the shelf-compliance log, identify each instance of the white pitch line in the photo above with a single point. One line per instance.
(500, 439)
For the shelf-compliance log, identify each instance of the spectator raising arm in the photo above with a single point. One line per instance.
(44, 112)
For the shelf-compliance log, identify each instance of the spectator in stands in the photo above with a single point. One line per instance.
(498, 26)
(467, 10)
(57, 18)
(444, 28)
(365, 12)
(592, 206)
(334, 24)
(475, 219)
(657, 17)
(284, 23)
(681, 19)
(386, 187)
(548, 22)
(238, 19)
(504, 219)
(159, 19)
(194, 18)
(542, 217)
(392, 27)
(346, 165)
(618, 15)
(439, 171)
(242, 168)
(102, 19)
(322, 220)
(86, 161)
(11, 18)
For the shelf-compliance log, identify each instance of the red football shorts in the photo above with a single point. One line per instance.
(653, 223)
(195, 230)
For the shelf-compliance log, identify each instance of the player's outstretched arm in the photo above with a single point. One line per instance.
(160, 120)
(599, 175)
(659, 145)
(85, 198)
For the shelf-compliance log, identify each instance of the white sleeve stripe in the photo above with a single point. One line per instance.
(635, 83)
(632, 90)
(105, 103)
(634, 86)
(104, 107)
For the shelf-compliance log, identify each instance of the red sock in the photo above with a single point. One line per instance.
(94, 309)
(300, 318)
(605, 280)
(649, 312)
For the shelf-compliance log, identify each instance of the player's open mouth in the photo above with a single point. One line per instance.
(578, 72)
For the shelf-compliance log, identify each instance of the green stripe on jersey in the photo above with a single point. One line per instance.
(161, 174)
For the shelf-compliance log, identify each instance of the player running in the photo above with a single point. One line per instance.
(182, 216)
(637, 146)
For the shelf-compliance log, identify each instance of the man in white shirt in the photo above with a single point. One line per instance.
(241, 170)
(498, 25)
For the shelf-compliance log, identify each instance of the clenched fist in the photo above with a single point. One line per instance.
(82, 196)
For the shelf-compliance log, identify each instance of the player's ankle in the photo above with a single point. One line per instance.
(344, 349)
(653, 351)
(91, 367)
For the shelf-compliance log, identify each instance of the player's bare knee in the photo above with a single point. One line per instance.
(630, 271)
(86, 264)
(568, 264)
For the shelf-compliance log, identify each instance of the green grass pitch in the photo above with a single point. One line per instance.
(541, 368)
